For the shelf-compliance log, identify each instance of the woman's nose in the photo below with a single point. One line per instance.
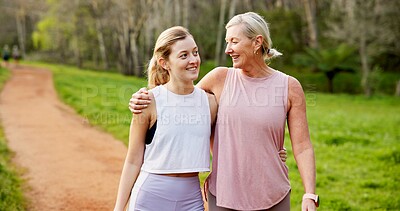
(228, 49)
(193, 59)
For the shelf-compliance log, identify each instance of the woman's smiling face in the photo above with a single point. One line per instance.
(238, 46)
(184, 60)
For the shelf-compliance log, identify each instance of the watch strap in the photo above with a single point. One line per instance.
(313, 197)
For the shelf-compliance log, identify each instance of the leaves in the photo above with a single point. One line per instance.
(337, 59)
(330, 61)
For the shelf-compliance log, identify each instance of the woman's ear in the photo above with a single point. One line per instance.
(258, 42)
(163, 63)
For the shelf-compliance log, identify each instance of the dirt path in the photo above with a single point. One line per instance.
(69, 165)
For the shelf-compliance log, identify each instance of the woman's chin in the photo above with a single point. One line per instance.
(236, 65)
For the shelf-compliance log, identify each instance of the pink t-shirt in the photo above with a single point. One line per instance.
(247, 172)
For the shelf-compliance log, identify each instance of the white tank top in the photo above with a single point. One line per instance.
(181, 142)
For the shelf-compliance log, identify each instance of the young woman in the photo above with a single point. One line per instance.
(169, 143)
(254, 103)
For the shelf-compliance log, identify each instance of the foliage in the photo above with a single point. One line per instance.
(42, 36)
(330, 61)
(286, 33)
(370, 26)
(11, 197)
(64, 34)
(345, 130)
(120, 34)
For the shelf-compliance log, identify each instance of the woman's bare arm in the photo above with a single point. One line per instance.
(299, 134)
(134, 159)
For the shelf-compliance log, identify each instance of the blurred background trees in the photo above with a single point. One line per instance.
(118, 35)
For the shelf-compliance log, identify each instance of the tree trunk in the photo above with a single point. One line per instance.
(99, 32)
(77, 32)
(221, 21)
(134, 33)
(177, 9)
(232, 10)
(365, 67)
(123, 41)
(281, 4)
(330, 75)
(77, 52)
(148, 40)
(102, 46)
(21, 29)
(167, 15)
(397, 93)
(135, 58)
(310, 8)
(186, 13)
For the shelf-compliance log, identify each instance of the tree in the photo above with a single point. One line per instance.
(18, 18)
(221, 30)
(98, 12)
(310, 9)
(330, 61)
(364, 24)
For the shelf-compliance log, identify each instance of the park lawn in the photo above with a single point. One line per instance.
(355, 138)
(11, 197)
(357, 152)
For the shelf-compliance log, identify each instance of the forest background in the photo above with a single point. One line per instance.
(319, 39)
(346, 55)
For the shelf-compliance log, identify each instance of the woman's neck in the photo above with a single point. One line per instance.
(180, 88)
(258, 71)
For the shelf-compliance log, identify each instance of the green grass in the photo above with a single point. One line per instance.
(357, 152)
(355, 138)
(11, 197)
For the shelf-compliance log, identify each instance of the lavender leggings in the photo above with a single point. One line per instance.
(158, 192)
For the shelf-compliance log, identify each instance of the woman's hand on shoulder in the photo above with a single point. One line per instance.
(139, 101)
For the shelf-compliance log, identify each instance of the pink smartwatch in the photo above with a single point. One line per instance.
(313, 197)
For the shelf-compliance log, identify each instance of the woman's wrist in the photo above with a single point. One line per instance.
(313, 197)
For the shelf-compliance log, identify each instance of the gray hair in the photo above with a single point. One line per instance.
(255, 25)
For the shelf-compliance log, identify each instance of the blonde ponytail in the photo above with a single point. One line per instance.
(271, 53)
(156, 75)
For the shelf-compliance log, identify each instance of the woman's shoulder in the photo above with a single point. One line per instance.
(154, 92)
(295, 91)
(219, 72)
(292, 81)
(213, 79)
